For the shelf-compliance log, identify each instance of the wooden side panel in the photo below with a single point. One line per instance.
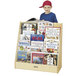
(17, 43)
(60, 48)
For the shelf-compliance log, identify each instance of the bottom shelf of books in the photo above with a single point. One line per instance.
(39, 46)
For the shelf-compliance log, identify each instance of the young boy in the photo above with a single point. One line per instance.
(48, 15)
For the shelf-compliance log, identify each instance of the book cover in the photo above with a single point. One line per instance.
(41, 29)
(52, 33)
(50, 59)
(51, 46)
(37, 58)
(37, 37)
(23, 56)
(24, 37)
(29, 27)
(24, 46)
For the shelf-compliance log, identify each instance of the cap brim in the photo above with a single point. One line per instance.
(40, 6)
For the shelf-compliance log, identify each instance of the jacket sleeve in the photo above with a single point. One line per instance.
(41, 17)
(55, 19)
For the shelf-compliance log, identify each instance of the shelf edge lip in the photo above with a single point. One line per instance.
(44, 52)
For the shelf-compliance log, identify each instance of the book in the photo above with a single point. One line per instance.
(41, 30)
(37, 58)
(37, 37)
(42, 27)
(29, 27)
(23, 56)
(51, 46)
(52, 33)
(24, 46)
(24, 37)
(37, 41)
(50, 59)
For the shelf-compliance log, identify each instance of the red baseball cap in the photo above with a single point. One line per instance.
(46, 3)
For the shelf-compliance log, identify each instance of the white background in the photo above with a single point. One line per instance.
(14, 11)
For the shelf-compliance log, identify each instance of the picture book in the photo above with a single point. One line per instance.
(37, 58)
(52, 33)
(29, 27)
(23, 56)
(24, 37)
(24, 46)
(50, 59)
(42, 27)
(37, 37)
(51, 46)
(37, 41)
(41, 30)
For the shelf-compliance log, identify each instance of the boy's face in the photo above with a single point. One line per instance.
(47, 8)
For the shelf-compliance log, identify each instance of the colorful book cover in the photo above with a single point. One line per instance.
(50, 59)
(24, 46)
(42, 27)
(52, 33)
(34, 28)
(36, 37)
(23, 56)
(37, 58)
(51, 46)
(30, 27)
(55, 60)
(41, 30)
(27, 27)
